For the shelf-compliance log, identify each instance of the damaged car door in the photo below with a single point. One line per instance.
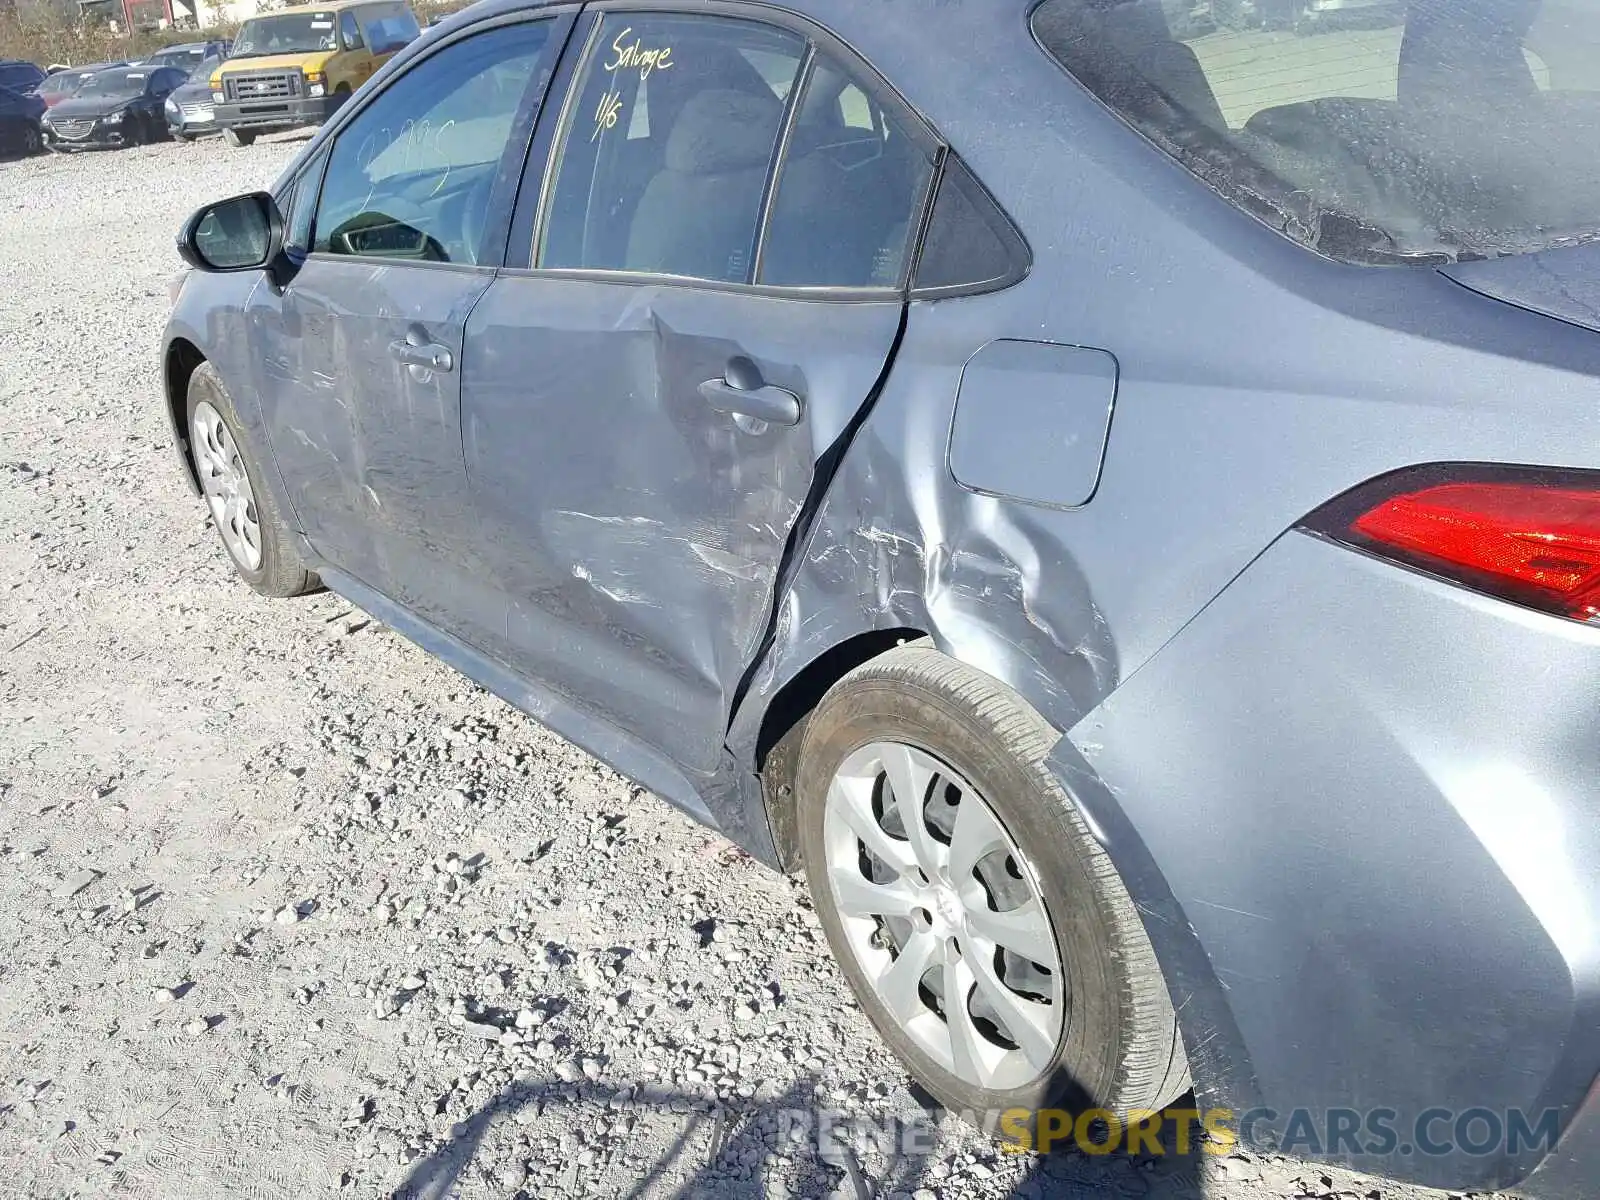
(362, 349)
(713, 290)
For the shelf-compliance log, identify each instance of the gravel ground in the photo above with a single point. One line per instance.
(289, 909)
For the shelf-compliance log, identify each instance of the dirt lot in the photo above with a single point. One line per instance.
(288, 909)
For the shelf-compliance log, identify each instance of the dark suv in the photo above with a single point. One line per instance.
(19, 122)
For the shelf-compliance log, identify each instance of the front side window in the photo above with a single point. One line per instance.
(1377, 131)
(411, 176)
(350, 31)
(854, 183)
(669, 142)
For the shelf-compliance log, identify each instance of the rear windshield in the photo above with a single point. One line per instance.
(115, 83)
(286, 33)
(184, 60)
(1373, 130)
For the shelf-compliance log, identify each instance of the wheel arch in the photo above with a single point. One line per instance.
(181, 360)
(783, 722)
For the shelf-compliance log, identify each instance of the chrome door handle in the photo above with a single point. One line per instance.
(428, 355)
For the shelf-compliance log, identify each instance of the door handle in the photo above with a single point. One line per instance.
(430, 356)
(742, 392)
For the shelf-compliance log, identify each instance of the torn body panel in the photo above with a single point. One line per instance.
(634, 530)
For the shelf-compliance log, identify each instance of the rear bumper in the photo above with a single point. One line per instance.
(266, 115)
(1360, 811)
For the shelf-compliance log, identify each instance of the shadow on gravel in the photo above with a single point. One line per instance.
(718, 1153)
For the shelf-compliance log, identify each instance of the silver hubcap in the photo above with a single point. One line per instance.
(226, 486)
(944, 915)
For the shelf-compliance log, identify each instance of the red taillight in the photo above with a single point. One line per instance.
(1533, 540)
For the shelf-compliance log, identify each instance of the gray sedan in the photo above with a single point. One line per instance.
(1119, 511)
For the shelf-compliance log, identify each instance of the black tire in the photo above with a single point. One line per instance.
(1120, 1049)
(281, 573)
(32, 141)
(238, 137)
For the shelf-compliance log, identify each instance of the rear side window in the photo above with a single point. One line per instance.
(1378, 131)
(669, 141)
(853, 186)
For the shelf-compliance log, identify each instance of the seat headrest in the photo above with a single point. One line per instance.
(1455, 50)
(722, 130)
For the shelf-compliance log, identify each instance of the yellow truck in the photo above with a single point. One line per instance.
(296, 66)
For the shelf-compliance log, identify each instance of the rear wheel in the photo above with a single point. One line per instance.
(253, 531)
(32, 140)
(981, 926)
(238, 137)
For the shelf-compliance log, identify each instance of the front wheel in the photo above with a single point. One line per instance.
(32, 141)
(238, 137)
(980, 924)
(253, 531)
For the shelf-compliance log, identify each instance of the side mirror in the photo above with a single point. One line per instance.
(244, 233)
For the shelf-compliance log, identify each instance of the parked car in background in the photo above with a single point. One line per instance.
(295, 67)
(188, 57)
(20, 113)
(121, 106)
(64, 82)
(20, 76)
(190, 110)
(1131, 535)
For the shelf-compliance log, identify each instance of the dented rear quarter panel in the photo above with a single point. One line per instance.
(1256, 380)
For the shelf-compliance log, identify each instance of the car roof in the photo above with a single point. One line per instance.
(340, 5)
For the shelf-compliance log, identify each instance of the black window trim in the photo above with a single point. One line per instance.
(820, 40)
(513, 162)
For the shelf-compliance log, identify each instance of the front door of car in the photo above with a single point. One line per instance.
(361, 354)
(646, 405)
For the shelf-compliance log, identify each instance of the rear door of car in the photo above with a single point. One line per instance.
(690, 321)
(401, 224)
